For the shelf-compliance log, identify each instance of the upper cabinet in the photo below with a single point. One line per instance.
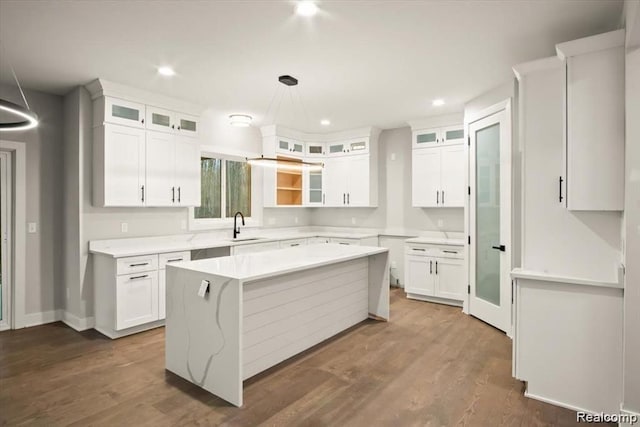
(315, 149)
(290, 147)
(348, 147)
(593, 178)
(438, 136)
(143, 155)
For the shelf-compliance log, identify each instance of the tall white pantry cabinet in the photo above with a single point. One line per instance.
(143, 155)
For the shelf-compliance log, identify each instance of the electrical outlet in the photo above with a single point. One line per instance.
(124, 227)
(183, 224)
(295, 219)
(353, 220)
(394, 264)
(440, 223)
(32, 227)
(393, 156)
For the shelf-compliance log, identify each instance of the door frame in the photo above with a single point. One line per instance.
(6, 205)
(18, 152)
(506, 200)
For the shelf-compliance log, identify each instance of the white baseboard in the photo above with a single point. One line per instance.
(631, 414)
(35, 319)
(77, 323)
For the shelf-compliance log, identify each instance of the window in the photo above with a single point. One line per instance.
(226, 189)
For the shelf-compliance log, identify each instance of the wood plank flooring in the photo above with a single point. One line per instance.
(430, 365)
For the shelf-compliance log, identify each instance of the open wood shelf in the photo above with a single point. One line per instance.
(289, 186)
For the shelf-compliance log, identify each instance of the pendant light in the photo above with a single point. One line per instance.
(21, 118)
(282, 163)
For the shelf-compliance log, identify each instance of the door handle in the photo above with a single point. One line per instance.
(560, 188)
(501, 248)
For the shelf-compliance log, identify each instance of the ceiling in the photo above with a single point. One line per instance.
(359, 63)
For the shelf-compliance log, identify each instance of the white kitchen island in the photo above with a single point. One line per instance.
(263, 308)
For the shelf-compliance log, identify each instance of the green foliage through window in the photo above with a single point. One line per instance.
(226, 188)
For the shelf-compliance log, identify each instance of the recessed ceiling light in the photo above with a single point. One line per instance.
(438, 102)
(306, 8)
(166, 71)
(325, 122)
(240, 120)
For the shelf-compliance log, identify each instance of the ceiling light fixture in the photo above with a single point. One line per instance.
(285, 164)
(325, 122)
(27, 119)
(438, 102)
(166, 71)
(306, 8)
(240, 120)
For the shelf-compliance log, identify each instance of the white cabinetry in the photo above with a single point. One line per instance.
(593, 179)
(136, 299)
(350, 181)
(254, 248)
(438, 176)
(163, 260)
(290, 147)
(435, 273)
(119, 166)
(438, 136)
(120, 112)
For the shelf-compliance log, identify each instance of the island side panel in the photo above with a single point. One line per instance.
(379, 286)
(203, 335)
(287, 314)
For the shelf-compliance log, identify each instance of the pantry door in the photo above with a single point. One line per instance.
(490, 218)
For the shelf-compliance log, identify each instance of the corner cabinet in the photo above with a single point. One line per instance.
(438, 175)
(144, 156)
(349, 177)
(593, 179)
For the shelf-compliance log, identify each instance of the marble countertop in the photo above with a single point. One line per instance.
(519, 273)
(436, 241)
(256, 266)
(119, 248)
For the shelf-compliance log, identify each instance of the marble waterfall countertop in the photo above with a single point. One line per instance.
(255, 266)
(436, 241)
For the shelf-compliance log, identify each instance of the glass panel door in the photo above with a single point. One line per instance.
(488, 214)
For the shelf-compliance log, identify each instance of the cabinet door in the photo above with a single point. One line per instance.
(452, 176)
(289, 146)
(121, 112)
(136, 299)
(124, 166)
(347, 242)
(291, 243)
(315, 149)
(357, 168)
(314, 188)
(426, 138)
(160, 160)
(419, 275)
(187, 170)
(337, 149)
(185, 124)
(450, 279)
(452, 135)
(160, 120)
(358, 146)
(336, 175)
(425, 177)
(162, 294)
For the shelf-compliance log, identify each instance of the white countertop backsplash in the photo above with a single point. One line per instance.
(223, 238)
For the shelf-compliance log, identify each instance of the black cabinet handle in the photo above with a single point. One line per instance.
(560, 188)
(174, 260)
(430, 267)
(450, 252)
(139, 264)
(348, 196)
(343, 243)
(143, 193)
(138, 277)
(178, 127)
(437, 197)
(501, 248)
(436, 267)
(142, 121)
(343, 198)
(173, 194)
(179, 193)
(418, 249)
(443, 197)
(294, 244)
(323, 198)
(173, 126)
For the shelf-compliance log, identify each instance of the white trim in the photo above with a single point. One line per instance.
(77, 323)
(6, 228)
(525, 68)
(20, 230)
(556, 403)
(41, 318)
(495, 108)
(624, 411)
(590, 44)
(442, 120)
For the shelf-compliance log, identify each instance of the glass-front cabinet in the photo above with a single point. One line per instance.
(171, 121)
(426, 138)
(121, 112)
(314, 189)
(315, 149)
(452, 135)
(447, 135)
(290, 146)
(354, 146)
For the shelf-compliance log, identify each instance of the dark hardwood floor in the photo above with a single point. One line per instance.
(430, 365)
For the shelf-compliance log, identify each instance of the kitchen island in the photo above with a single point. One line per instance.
(230, 318)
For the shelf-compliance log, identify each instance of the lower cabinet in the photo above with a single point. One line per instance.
(254, 248)
(435, 273)
(136, 299)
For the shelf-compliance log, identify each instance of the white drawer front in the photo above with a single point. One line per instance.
(137, 264)
(435, 251)
(318, 240)
(259, 247)
(292, 242)
(168, 258)
(345, 241)
(136, 299)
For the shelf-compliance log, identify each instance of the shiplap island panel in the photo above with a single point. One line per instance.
(261, 309)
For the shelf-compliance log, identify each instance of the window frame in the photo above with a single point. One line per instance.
(255, 220)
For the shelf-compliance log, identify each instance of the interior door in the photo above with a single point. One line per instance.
(490, 219)
(160, 164)
(425, 178)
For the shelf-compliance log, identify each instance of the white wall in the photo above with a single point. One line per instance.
(394, 209)
(44, 189)
(631, 397)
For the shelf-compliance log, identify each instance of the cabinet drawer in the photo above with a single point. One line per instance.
(292, 243)
(345, 241)
(317, 240)
(260, 247)
(137, 264)
(435, 251)
(136, 299)
(168, 258)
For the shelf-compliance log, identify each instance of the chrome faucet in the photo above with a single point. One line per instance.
(236, 229)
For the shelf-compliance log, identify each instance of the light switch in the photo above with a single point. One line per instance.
(32, 227)
(393, 156)
(295, 219)
(124, 227)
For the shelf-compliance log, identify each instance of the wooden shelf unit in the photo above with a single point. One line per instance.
(289, 185)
